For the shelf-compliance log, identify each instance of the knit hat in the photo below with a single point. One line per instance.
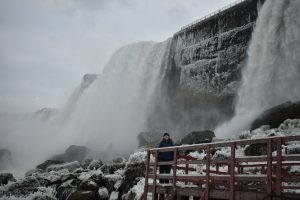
(166, 134)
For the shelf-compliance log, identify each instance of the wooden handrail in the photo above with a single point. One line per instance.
(234, 180)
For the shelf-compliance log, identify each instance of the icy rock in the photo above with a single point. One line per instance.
(108, 169)
(197, 137)
(290, 124)
(73, 153)
(88, 185)
(134, 170)
(95, 164)
(222, 153)
(114, 195)
(48, 163)
(90, 177)
(114, 182)
(196, 154)
(86, 162)
(103, 193)
(66, 189)
(5, 178)
(71, 166)
(33, 171)
(41, 193)
(276, 115)
(118, 163)
(136, 192)
(25, 186)
(293, 148)
(84, 195)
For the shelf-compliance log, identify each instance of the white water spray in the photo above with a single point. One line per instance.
(272, 73)
(110, 113)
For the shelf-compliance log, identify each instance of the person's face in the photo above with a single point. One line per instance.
(166, 137)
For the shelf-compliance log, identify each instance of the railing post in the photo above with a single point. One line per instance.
(269, 167)
(186, 171)
(147, 174)
(175, 171)
(232, 163)
(279, 166)
(207, 171)
(154, 196)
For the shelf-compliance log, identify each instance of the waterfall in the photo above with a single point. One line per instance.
(272, 73)
(106, 115)
(115, 108)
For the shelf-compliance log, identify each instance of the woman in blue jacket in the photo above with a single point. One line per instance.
(165, 156)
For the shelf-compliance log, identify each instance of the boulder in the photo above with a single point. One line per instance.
(118, 163)
(276, 115)
(132, 174)
(88, 185)
(84, 195)
(48, 163)
(33, 171)
(103, 193)
(5, 178)
(25, 186)
(73, 153)
(71, 166)
(65, 189)
(149, 139)
(108, 169)
(197, 137)
(95, 164)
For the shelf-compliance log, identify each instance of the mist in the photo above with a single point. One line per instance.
(48, 46)
(272, 74)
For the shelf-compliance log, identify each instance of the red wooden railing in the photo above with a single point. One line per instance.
(270, 177)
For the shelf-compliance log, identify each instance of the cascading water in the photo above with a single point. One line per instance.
(108, 114)
(272, 73)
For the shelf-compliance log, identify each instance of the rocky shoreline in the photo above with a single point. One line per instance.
(120, 179)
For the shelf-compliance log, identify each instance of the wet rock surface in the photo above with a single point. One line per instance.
(276, 115)
(5, 178)
(197, 137)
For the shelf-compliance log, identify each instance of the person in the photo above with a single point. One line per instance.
(165, 156)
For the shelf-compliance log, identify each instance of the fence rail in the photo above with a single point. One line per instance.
(211, 14)
(232, 177)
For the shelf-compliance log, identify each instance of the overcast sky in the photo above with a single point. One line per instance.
(46, 46)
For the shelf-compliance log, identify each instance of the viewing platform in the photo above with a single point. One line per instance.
(267, 176)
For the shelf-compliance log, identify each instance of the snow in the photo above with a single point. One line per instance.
(52, 176)
(87, 175)
(103, 192)
(92, 183)
(114, 195)
(137, 157)
(197, 155)
(41, 193)
(71, 166)
(138, 189)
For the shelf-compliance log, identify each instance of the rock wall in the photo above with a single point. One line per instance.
(205, 67)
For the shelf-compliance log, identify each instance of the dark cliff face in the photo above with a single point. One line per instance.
(205, 66)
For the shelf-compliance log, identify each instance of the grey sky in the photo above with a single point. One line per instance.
(46, 46)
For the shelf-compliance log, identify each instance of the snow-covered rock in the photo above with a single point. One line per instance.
(103, 193)
(71, 166)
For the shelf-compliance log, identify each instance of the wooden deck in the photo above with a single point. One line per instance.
(248, 177)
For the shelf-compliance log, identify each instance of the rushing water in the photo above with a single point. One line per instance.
(272, 73)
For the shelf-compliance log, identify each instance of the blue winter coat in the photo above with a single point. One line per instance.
(168, 155)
